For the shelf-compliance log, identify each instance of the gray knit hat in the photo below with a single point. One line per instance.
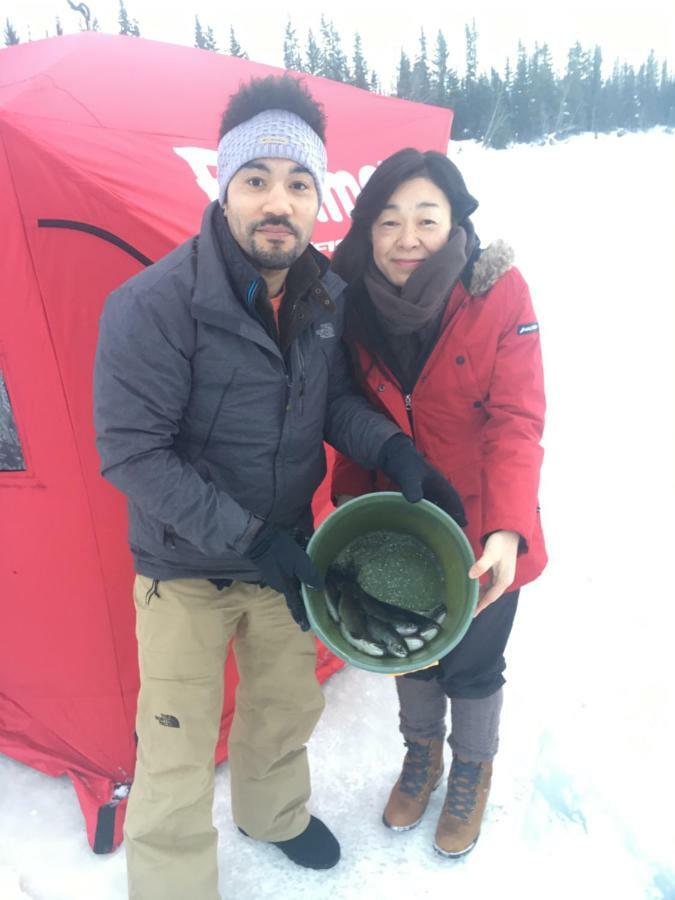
(274, 133)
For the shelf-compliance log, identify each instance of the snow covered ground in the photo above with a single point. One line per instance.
(583, 793)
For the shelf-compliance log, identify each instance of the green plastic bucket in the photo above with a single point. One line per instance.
(390, 511)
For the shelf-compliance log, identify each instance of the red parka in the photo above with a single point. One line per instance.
(477, 409)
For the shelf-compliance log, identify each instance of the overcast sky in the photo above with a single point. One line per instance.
(622, 28)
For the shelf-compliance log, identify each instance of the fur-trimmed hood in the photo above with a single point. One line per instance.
(493, 262)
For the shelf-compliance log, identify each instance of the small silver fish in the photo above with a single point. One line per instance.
(384, 634)
(428, 634)
(365, 646)
(413, 643)
(332, 597)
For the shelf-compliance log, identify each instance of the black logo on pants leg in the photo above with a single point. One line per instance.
(169, 721)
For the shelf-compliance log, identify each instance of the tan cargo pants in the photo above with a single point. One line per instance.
(183, 629)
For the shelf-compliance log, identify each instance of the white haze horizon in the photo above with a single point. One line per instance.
(387, 28)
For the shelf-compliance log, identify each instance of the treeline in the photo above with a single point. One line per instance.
(527, 102)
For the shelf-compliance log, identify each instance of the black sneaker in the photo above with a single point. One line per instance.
(315, 848)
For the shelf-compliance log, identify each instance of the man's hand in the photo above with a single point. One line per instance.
(499, 558)
(403, 464)
(283, 564)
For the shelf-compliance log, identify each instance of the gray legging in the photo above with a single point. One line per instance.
(475, 723)
(471, 676)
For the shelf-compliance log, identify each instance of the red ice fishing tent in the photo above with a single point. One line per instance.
(106, 163)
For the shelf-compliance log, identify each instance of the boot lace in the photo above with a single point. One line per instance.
(416, 768)
(462, 788)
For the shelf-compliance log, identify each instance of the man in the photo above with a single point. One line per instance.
(219, 373)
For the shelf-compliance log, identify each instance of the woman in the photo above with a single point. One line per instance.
(445, 340)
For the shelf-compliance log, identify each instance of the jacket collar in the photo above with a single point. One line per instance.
(227, 283)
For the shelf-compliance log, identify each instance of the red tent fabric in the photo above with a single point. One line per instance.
(106, 162)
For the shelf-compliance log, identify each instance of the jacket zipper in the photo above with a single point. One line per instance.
(407, 399)
(301, 360)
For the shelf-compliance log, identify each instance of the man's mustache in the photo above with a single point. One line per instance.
(274, 220)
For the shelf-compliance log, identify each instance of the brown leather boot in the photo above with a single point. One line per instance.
(462, 813)
(421, 773)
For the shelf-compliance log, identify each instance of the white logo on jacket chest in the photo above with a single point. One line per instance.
(325, 331)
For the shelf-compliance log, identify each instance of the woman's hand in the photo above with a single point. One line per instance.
(499, 558)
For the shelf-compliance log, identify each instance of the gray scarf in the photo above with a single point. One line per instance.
(408, 309)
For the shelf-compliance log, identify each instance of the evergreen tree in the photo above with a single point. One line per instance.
(520, 98)
(420, 74)
(439, 72)
(577, 81)
(498, 132)
(374, 83)
(359, 68)
(629, 107)
(199, 34)
(595, 91)
(666, 97)
(11, 35)
(292, 58)
(210, 40)
(334, 60)
(476, 102)
(127, 26)
(610, 110)
(59, 27)
(314, 59)
(404, 78)
(235, 46)
(544, 100)
(648, 92)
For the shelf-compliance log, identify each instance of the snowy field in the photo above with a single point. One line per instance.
(582, 802)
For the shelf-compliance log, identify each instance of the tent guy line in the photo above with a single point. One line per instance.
(97, 232)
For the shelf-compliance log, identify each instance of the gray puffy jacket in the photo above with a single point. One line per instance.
(205, 425)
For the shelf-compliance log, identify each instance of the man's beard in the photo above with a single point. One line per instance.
(269, 258)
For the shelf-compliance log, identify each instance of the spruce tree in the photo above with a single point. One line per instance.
(498, 129)
(420, 74)
(648, 91)
(235, 46)
(333, 58)
(544, 102)
(59, 27)
(439, 71)
(11, 35)
(666, 97)
(292, 58)
(127, 26)
(629, 106)
(520, 98)
(210, 40)
(314, 59)
(577, 82)
(474, 108)
(404, 77)
(199, 34)
(359, 68)
(595, 91)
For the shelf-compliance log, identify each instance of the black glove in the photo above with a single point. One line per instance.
(283, 564)
(403, 464)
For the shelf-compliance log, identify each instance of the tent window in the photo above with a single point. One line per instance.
(11, 455)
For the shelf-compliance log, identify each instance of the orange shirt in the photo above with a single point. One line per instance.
(276, 304)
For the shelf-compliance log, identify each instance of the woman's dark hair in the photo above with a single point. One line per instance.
(352, 254)
(273, 92)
